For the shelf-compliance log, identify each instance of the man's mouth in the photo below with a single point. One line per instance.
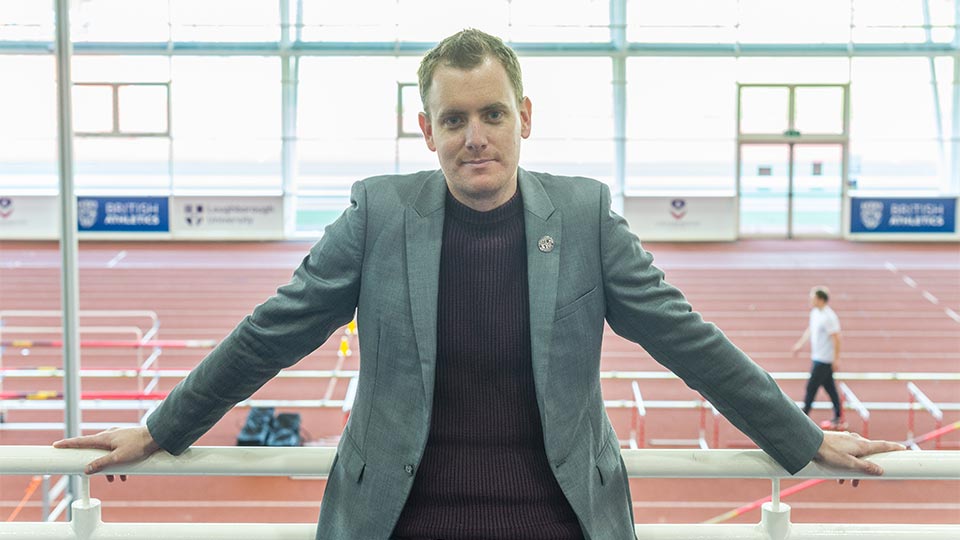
(477, 161)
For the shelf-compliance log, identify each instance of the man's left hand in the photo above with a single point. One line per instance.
(843, 450)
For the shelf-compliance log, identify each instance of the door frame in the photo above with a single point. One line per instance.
(792, 137)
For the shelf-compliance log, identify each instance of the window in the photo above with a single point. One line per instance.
(28, 124)
(681, 124)
(226, 123)
(26, 20)
(896, 140)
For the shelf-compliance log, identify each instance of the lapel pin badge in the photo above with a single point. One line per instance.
(546, 244)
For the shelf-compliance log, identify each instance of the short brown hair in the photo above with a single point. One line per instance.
(822, 293)
(467, 49)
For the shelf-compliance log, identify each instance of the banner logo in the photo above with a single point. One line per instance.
(193, 214)
(87, 210)
(678, 209)
(871, 214)
(6, 207)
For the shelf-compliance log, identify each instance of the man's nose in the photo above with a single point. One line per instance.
(476, 136)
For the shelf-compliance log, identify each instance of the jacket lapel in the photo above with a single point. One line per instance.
(424, 235)
(541, 220)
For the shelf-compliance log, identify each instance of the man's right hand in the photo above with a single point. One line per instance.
(125, 445)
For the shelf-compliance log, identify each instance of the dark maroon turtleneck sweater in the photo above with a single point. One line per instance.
(484, 473)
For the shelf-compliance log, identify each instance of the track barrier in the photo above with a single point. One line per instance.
(86, 522)
(803, 486)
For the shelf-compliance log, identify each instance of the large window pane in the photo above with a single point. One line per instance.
(670, 167)
(682, 21)
(892, 98)
(26, 20)
(680, 98)
(433, 21)
(347, 120)
(347, 131)
(548, 20)
(572, 97)
(897, 165)
(764, 109)
(897, 141)
(225, 20)
(28, 98)
(226, 123)
(415, 20)
(809, 21)
(93, 109)
(590, 158)
(28, 123)
(143, 108)
(572, 122)
(819, 109)
(680, 124)
(119, 20)
(793, 69)
(371, 20)
(106, 165)
(131, 69)
(901, 21)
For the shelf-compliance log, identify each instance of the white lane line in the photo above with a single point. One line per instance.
(952, 314)
(116, 259)
(931, 298)
(890, 266)
(910, 282)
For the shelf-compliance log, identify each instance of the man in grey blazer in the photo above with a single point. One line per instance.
(481, 292)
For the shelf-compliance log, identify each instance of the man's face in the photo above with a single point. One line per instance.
(475, 125)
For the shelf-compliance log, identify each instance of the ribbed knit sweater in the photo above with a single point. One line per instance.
(484, 473)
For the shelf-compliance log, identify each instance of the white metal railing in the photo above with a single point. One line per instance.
(316, 461)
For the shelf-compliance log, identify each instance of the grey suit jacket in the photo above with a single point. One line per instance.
(381, 258)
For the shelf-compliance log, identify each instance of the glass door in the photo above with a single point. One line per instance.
(817, 193)
(764, 189)
(791, 159)
(791, 190)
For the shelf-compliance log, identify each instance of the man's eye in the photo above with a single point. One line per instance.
(452, 121)
(495, 115)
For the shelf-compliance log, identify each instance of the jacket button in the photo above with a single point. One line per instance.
(409, 469)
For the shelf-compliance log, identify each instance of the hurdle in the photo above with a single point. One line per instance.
(637, 419)
(917, 396)
(854, 403)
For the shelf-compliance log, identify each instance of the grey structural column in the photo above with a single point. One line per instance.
(953, 185)
(618, 37)
(935, 87)
(289, 67)
(68, 234)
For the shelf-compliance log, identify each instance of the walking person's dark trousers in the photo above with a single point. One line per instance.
(821, 375)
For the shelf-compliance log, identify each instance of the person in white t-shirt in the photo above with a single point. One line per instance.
(824, 336)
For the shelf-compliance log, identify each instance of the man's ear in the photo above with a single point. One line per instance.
(526, 113)
(427, 128)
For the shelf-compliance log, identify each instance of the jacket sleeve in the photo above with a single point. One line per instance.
(320, 297)
(642, 307)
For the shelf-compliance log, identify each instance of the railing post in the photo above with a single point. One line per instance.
(45, 497)
(775, 521)
(85, 517)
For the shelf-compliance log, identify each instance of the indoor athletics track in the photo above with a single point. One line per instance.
(898, 305)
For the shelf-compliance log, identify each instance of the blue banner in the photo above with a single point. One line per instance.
(123, 214)
(886, 215)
